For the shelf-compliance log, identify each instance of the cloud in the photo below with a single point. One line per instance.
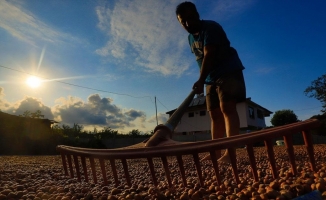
(25, 26)
(161, 118)
(2, 93)
(96, 111)
(226, 9)
(264, 70)
(4, 105)
(30, 104)
(151, 37)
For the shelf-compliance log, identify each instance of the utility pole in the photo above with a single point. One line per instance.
(156, 111)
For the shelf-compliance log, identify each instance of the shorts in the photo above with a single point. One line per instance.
(227, 88)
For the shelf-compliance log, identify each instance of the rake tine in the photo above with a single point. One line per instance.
(198, 168)
(91, 160)
(310, 149)
(151, 167)
(77, 167)
(289, 146)
(251, 155)
(102, 165)
(125, 169)
(182, 170)
(270, 153)
(69, 153)
(215, 166)
(64, 163)
(83, 161)
(167, 171)
(114, 172)
(70, 166)
(233, 159)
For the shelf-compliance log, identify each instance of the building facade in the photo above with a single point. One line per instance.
(196, 118)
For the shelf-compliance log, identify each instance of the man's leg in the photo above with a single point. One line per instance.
(217, 126)
(232, 123)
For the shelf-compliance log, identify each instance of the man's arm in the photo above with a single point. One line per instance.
(209, 61)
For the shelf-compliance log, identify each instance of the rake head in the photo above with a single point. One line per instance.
(77, 160)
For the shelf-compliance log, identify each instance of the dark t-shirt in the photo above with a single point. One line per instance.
(227, 57)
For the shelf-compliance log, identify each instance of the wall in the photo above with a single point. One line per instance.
(243, 114)
(195, 123)
(203, 123)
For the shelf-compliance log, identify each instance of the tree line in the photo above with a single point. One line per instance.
(75, 135)
(317, 90)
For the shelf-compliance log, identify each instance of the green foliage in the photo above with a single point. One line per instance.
(135, 132)
(107, 132)
(35, 115)
(322, 129)
(318, 91)
(77, 136)
(282, 117)
(20, 137)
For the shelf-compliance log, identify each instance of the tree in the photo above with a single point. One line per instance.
(322, 129)
(282, 117)
(318, 91)
(135, 133)
(36, 115)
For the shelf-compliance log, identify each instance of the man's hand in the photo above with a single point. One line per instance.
(199, 87)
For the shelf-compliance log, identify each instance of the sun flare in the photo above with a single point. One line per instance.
(33, 82)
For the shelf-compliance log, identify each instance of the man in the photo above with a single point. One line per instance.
(220, 69)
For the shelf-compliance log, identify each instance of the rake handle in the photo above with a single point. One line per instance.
(163, 132)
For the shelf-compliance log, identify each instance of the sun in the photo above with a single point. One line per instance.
(33, 82)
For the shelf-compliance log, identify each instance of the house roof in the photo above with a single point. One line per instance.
(266, 112)
(201, 102)
(9, 116)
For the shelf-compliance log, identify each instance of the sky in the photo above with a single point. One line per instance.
(106, 63)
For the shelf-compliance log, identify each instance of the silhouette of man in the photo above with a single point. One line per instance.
(220, 69)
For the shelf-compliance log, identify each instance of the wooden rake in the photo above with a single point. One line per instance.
(72, 156)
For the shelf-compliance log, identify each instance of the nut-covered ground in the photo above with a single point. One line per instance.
(41, 177)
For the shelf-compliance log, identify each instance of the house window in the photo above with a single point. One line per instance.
(202, 112)
(191, 114)
(251, 112)
(260, 114)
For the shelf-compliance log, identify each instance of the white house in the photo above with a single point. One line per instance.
(196, 118)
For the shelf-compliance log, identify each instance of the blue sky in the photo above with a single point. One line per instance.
(102, 63)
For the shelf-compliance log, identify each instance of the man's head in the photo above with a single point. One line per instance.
(188, 17)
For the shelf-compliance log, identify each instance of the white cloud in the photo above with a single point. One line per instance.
(25, 26)
(264, 70)
(2, 93)
(161, 118)
(4, 105)
(227, 9)
(96, 111)
(146, 31)
(30, 104)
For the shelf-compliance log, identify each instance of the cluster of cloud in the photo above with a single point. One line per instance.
(223, 10)
(95, 112)
(23, 25)
(145, 33)
(141, 34)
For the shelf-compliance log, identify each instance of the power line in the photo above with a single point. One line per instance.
(162, 104)
(75, 85)
(308, 108)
